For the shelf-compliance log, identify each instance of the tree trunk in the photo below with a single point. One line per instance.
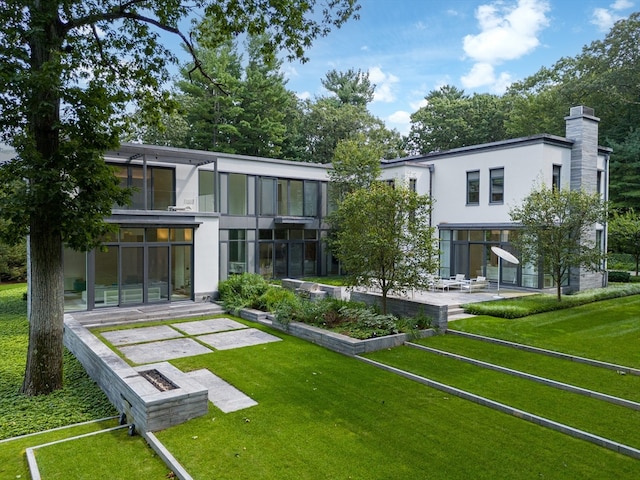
(43, 373)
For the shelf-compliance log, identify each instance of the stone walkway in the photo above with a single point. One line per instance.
(145, 345)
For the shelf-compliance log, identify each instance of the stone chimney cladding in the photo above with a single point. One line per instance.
(582, 128)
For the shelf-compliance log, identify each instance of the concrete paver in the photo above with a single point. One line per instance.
(139, 335)
(164, 350)
(223, 395)
(208, 326)
(238, 338)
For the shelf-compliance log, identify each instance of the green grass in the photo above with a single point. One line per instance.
(608, 330)
(335, 280)
(323, 415)
(519, 307)
(595, 416)
(111, 455)
(561, 370)
(13, 463)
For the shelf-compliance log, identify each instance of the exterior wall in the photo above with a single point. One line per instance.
(206, 265)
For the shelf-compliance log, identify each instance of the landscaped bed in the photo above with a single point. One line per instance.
(353, 319)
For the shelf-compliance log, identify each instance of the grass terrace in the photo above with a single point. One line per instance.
(325, 415)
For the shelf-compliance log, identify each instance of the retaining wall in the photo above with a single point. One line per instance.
(148, 408)
(403, 307)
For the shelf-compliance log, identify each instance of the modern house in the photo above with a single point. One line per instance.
(198, 217)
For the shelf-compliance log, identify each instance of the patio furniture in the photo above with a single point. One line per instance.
(478, 283)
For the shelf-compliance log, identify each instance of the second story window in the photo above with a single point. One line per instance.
(206, 191)
(496, 192)
(555, 179)
(237, 194)
(473, 188)
(156, 193)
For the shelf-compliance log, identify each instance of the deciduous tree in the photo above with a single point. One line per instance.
(624, 234)
(70, 70)
(555, 224)
(384, 239)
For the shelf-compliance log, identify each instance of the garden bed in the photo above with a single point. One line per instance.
(332, 340)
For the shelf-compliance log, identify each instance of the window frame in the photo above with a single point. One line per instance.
(475, 181)
(494, 186)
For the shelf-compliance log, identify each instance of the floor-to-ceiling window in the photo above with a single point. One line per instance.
(138, 265)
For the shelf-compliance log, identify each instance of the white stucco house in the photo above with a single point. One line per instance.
(198, 217)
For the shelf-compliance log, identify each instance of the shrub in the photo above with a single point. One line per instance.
(242, 291)
(273, 297)
(618, 276)
(530, 305)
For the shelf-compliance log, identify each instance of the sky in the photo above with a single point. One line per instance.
(411, 47)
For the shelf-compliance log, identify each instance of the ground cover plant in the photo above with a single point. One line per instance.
(519, 307)
(324, 415)
(606, 331)
(78, 401)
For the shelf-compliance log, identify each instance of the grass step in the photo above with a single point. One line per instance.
(559, 369)
(602, 419)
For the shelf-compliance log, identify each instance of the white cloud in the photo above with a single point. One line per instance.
(384, 83)
(604, 18)
(303, 95)
(508, 31)
(483, 74)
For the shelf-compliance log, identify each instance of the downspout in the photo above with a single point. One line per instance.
(605, 232)
(431, 171)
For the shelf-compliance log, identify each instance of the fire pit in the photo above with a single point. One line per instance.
(158, 380)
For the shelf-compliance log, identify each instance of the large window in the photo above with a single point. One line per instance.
(496, 193)
(473, 188)
(237, 251)
(297, 198)
(237, 194)
(267, 196)
(206, 191)
(159, 188)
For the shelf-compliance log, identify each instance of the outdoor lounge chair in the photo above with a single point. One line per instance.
(478, 283)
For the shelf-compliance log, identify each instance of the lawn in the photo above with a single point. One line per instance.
(608, 330)
(324, 415)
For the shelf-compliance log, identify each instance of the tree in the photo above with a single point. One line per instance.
(452, 119)
(625, 169)
(70, 71)
(351, 87)
(356, 164)
(384, 239)
(555, 225)
(624, 234)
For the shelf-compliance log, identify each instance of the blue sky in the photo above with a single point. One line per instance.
(410, 47)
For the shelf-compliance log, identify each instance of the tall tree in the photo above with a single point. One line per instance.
(70, 69)
(356, 164)
(394, 248)
(351, 87)
(554, 231)
(625, 171)
(452, 119)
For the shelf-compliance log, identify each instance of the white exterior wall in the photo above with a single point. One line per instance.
(524, 166)
(206, 268)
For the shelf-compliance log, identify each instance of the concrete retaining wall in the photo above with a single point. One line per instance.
(342, 343)
(148, 408)
(402, 307)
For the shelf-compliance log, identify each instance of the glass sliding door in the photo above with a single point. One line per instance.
(157, 284)
(105, 289)
(132, 275)
(181, 268)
